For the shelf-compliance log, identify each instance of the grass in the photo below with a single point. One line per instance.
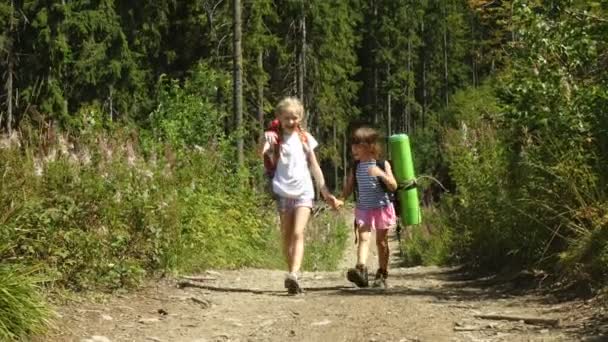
(23, 310)
(326, 238)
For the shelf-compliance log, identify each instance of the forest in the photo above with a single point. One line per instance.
(130, 131)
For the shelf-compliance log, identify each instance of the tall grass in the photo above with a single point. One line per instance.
(326, 236)
(23, 311)
(429, 243)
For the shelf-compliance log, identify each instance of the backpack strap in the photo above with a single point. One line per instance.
(354, 171)
(355, 193)
(270, 161)
(381, 164)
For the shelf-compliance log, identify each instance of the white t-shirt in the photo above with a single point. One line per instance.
(292, 177)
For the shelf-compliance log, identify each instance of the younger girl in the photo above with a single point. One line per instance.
(291, 153)
(373, 179)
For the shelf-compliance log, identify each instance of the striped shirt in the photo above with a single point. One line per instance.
(370, 194)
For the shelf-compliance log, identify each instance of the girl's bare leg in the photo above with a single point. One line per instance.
(302, 214)
(363, 246)
(287, 228)
(383, 250)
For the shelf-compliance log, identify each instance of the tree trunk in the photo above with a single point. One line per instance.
(389, 116)
(302, 59)
(238, 81)
(376, 106)
(11, 71)
(336, 158)
(9, 94)
(375, 71)
(111, 102)
(408, 113)
(344, 157)
(473, 54)
(511, 23)
(302, 65)
(261, 92)
(424, 105)
(445, 54)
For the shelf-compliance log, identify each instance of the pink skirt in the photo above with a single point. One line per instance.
(379, 218)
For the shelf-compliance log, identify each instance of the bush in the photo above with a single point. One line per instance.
(111, 221)
(527, 155)
(187, 114)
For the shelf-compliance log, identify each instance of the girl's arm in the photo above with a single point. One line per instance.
(266, 142)
(389, 178)
(320, 181)
(386, 176)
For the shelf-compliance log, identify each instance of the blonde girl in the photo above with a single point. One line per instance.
(291, 152)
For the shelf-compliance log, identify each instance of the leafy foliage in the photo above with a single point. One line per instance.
(524, 151)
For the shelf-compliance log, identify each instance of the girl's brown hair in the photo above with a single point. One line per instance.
(368, 136)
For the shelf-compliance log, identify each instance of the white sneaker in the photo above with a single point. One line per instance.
(292, 285)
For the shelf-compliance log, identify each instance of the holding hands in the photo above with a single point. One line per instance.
(333, 202)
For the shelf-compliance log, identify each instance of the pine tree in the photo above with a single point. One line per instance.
(332, 64)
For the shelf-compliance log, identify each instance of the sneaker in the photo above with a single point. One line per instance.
(380, 279)
(292, 285)
(358, 276)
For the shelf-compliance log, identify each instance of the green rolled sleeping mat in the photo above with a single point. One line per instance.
(403, 168)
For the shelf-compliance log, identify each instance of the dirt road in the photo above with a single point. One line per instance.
(421, 304)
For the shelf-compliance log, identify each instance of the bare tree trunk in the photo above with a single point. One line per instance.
(473, 54)
(9, 81)
(9, 93)
(111, 100)
(511, 23)
(424, 104)
(408, 111)
(238, 81)
(375, 73)
(389, 116)
(445, 53)
(344, 156)
(302, 65)
(336, 162)
(261, 92)
(301, 59)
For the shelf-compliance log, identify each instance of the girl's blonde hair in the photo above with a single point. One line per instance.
(291, 104)
(368, 136)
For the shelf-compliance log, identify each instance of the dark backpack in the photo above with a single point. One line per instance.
(381, 164)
